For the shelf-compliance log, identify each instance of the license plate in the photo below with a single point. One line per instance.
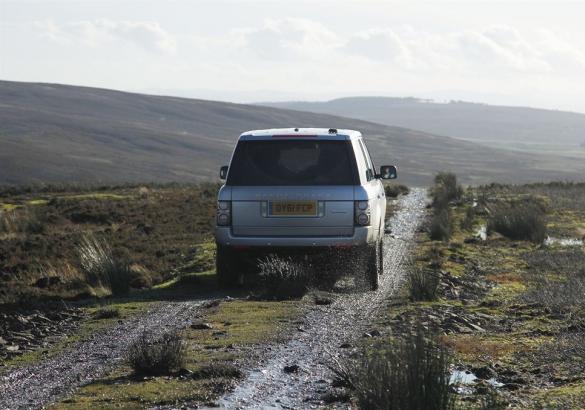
(293, 208)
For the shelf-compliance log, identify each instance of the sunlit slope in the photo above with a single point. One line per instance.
(499, 126)
(57, 133)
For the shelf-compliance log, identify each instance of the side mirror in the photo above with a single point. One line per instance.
(223, 171)
(388, 172)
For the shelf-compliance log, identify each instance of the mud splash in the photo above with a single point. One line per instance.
(326, 328)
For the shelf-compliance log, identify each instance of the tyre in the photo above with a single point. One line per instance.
(381, 258)
(373, 268)
(225, 266)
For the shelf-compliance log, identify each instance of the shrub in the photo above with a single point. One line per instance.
(423, 284)
(395, 190)
(440, 225)
(157, 357)
(519, 221)
(445, 189)
(410, 374)
(101, 267)
(469, 219)
(284, 278)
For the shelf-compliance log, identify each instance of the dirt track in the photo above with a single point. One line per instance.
(43, 383)
(326, 328)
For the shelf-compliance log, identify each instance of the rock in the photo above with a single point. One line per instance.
(375, 333)
(2, 341)
(293, 368)
(344, 346)
(13, 348)
(366, 335)
(201, 326)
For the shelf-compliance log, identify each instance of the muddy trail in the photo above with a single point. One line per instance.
(38, 385)
(327, 329)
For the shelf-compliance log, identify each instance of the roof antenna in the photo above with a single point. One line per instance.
(332, 130)
(296, 130)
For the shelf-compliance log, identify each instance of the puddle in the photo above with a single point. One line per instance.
(563, 241)
(464, 379)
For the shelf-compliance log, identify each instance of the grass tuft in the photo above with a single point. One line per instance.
(157, 357)
(102, 267)
(440, 228)
(445, 189)
(423, 284)
(522, 220)
(27, 220)
(411, 374)
(284, 278)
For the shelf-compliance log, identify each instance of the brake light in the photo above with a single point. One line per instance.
(362, 213)
(224, 213)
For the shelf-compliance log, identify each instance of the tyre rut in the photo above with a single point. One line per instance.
(40, 384)
(325, 328)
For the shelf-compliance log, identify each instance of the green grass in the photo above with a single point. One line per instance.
(517, 331)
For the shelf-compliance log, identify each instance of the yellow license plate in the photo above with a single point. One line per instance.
(293, 208)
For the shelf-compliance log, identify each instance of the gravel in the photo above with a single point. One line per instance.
(326, 328)
(37, 385)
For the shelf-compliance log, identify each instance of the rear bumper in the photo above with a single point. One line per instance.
(361, 236)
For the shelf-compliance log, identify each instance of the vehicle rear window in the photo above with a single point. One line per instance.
(292, 162)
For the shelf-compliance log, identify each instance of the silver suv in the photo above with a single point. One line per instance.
(303, 189)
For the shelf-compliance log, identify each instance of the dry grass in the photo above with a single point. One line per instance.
(519, 220)
(284, 278)
(146, 226)
(157, 357)
(505, 278)
(411, 374)
(478, 347)
(102, 267)
(423, 284)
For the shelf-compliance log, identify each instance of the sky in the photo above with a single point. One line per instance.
(514, 52)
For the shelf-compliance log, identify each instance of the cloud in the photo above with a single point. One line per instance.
(496, 47)
(379, 44)
(279, 39)
(144, 34)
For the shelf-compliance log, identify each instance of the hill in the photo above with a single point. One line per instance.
(60, 133)
(521, 128)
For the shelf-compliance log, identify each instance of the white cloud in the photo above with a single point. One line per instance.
(287, 38)
(379, 44)
(497, 47)
(145, 34)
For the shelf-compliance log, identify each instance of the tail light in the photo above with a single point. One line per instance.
(224, 213)
(362, 213)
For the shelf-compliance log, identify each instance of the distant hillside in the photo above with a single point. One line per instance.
(512, 127)
(57, 133)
